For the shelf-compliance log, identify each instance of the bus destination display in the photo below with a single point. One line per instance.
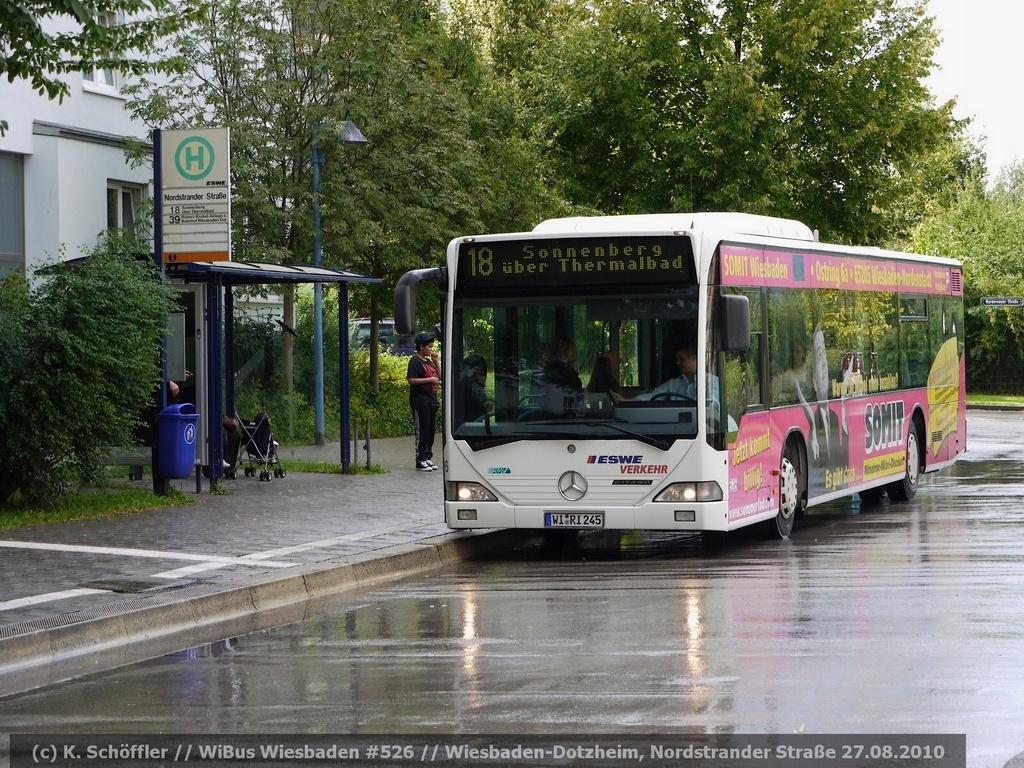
(609, 260)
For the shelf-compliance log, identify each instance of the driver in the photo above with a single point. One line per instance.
(685, 384)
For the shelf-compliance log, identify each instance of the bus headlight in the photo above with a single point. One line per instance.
(473, 492)
(690, 492)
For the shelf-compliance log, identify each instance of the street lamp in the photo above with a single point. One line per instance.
(346, 133)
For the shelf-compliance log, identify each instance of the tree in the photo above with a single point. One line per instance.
(84, 41)
(81, 360)
(816, 111)
(984, 228)
(436, 165)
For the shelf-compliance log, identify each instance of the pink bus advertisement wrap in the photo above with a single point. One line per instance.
(754, 267)
(857, 433)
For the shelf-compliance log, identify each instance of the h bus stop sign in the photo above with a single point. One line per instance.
(1002, 301)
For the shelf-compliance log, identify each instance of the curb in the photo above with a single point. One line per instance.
(45, 652)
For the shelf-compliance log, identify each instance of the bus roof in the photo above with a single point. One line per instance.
(735, 223)
(723, 226)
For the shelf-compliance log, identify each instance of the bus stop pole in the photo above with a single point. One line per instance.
(160, 484)
(214, 379)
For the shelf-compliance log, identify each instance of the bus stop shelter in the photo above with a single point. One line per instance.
(220, 277)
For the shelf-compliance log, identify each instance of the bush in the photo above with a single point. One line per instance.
(81, 359)
(388, 409)
(294, 422)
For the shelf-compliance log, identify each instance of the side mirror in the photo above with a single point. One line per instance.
(405, 295)
(734, 312)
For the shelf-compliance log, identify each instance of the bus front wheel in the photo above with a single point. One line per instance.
(906, 489)
(790, 494)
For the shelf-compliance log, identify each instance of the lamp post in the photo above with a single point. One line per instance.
(347, 133)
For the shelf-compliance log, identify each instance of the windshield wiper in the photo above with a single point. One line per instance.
(480, 444)
(654, 442)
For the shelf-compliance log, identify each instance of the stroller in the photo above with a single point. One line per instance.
(260, 447)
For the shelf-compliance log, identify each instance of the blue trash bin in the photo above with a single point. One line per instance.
(178, 428)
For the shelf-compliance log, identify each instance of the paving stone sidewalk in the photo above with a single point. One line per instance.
(83, 594)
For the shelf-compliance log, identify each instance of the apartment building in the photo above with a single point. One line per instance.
(63, 174)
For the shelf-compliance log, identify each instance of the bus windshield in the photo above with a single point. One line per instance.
(603, 366)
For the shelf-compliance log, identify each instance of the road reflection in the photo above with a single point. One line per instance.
(900, 618)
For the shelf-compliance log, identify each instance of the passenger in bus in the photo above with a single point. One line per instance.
(603, 378)
(807, 382)
(474, 397)
(791, 379)
(563, 388)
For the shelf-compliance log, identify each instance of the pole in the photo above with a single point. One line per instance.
(214, 377)
(318, 326)
(348, 134)
(161, 486)
(346, 453)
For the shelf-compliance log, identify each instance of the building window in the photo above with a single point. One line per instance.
(103, 80)
(122, 205)
(12, 215)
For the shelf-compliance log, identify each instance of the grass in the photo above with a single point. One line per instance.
(330, 468)
(1004, 401)
(113, 498)
(93, 504)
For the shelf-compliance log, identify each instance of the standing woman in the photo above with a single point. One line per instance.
(424, 375)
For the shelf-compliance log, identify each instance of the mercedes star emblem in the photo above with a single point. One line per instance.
(572, 485)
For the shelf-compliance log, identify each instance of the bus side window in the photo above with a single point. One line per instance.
(789, 347)
(916, 357)
(742, 382)
(749, 394)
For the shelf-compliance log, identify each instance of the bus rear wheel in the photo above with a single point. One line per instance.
(790, 494)
(906, 489)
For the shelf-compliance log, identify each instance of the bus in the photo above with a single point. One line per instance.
(823, 371)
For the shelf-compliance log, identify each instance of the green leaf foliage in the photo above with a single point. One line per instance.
(815, 111)
(387, 408)
(491, 115)
(84, 43)
(984, 228)
(81, 361)
(444, 153)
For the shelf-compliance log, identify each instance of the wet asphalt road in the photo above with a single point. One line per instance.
(895, 619)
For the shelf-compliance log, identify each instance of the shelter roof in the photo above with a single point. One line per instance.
(254, 273)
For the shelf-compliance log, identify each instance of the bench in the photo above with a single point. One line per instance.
(135, 458)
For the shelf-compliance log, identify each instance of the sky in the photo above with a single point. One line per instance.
(981, 64)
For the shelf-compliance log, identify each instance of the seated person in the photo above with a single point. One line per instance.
(602, 376)
(232, 441)
(474, 398)
(685, 384)
(561, 379)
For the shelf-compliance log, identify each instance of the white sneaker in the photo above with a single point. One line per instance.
(431, 464)
(424, 466)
